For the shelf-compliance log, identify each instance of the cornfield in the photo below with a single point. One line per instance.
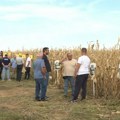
(107, 82)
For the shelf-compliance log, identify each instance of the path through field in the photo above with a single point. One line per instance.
(17, 103)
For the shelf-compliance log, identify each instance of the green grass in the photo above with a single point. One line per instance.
(17, 103)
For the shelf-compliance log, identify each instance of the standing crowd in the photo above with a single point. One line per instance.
(75, 72)
(15, 65)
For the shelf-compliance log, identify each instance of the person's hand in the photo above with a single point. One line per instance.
(44, 77)
(64, 59)
(75, 75)
(6, 66)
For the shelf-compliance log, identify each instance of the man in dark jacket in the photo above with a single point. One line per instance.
(6, 67)
(47, 65)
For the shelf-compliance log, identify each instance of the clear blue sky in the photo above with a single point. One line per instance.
(58, 23)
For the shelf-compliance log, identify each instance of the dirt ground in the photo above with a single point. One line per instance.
(17, 103)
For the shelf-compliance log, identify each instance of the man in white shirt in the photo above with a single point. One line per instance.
(68, 72)
(27, 67)
(81, 73)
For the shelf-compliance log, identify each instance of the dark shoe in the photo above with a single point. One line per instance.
(43, 99)
(82, 99)
(46, 97)
(37, 99)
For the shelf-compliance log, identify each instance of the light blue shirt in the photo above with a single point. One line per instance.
(37, 66)
(14, 63)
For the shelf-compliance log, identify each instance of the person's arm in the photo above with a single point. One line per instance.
(43, 69)
(9, 63)
(3, 62)
(77, 68)
(29, 60)
(28, 64)
(64, 59)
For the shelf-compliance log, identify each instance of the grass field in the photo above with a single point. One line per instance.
(17, 103)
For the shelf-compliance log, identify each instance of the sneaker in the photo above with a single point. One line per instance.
(37, 99)
(82, 99)
(44, 99)
(73, 101)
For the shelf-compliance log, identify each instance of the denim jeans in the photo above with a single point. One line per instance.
(46, 82)
(5, 71)
(68, 79)
(39, 89)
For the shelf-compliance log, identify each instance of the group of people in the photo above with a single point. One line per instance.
(14, 64)
(75, 72)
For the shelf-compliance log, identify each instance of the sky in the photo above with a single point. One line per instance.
(32, 24)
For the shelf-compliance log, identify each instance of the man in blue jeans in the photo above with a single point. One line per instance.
(48, 67)
(39, 76)
(6, 67)
(68, 65)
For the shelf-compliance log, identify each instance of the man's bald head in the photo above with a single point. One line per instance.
(39, 55)
(69, 56)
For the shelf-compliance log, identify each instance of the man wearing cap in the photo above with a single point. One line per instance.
(20, 63)
(6, 67)
(39, 76)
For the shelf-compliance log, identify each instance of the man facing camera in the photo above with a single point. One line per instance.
(68, 65)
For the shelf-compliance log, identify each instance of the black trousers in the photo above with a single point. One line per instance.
(80, 83)
(19, 72)
(1, 71)
(27, 73)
